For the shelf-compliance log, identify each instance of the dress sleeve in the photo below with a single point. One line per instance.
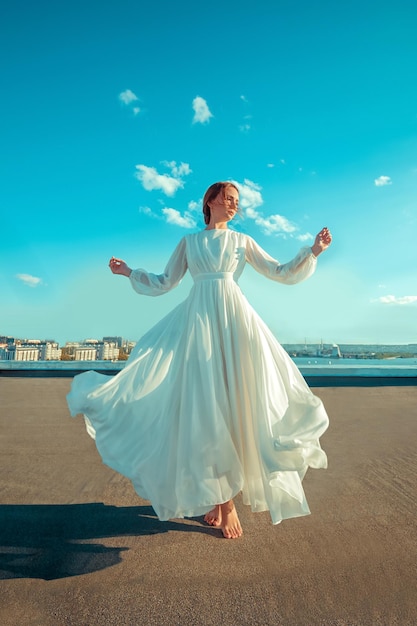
(148, 284)
(300, 268)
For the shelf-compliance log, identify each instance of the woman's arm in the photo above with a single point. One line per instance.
(149, 284)
(295, 271)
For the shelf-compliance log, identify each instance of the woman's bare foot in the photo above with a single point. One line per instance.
(214, 517)
(230, 523)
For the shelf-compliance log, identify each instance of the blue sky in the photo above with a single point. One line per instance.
(116, 116)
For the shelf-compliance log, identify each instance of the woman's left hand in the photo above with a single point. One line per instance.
(322, 241)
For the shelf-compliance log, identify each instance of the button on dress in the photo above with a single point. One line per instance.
(209, 404)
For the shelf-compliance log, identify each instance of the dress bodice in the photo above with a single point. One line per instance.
(221, 250)
(217, 251)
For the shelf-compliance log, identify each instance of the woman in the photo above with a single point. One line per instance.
(209, 404)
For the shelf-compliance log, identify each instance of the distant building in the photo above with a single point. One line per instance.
(328, 352)
(50, 351)
(108, 351)
(336, 354)
(128, 347)
(85, 353)
(6, 339)
(117, 340)
(23, 353)
(76, 351)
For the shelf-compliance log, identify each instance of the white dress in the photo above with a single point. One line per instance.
(209, 404)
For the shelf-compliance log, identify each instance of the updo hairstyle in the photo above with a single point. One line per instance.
(211, 193)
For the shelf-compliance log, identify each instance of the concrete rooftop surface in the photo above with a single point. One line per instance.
(80, 548)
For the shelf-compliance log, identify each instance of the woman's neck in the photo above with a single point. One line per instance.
(216, 225)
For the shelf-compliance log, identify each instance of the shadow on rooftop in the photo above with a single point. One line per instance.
(51, 541)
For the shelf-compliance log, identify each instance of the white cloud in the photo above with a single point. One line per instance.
(148, 211)
(136, 110)
(174, 217)
(183, 169)
(151, 180)
(244, 128)
(127, 97)
(250, 198)
(402, 300)
(244, 98)
(194, 206)
(305, 237)
(270, 165)
(382, 181)
(30, 281)
(275, 224)
(202, 113)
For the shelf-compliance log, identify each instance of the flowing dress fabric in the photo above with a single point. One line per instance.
(209, 404)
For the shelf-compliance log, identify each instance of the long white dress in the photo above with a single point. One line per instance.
(209, 404)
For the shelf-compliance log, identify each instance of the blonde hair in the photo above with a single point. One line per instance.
(211, 193)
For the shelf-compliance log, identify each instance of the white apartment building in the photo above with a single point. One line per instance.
(108, 351)
(50, 351)
(22, 353)
(85, 353)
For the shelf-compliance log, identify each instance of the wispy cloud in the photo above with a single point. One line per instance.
(401, 300)
(183, 169)
(245, 127)
(250, 199)
(30, 281)
(202, 113)
(130, 99)
(250, 196)
(149, 212)
(127, 97)
(151, 179)
(382, 181)
(305, 237)
(275, 224)
(194, 206)
(174, 217)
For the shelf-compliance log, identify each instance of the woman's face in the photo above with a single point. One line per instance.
(225, 205)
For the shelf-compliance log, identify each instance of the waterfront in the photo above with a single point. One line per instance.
(388, 363)
(311, 362)
(318, 372)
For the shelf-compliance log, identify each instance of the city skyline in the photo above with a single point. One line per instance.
(123, 341)
(112, 138)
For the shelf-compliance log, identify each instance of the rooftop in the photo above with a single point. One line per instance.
(79, 547)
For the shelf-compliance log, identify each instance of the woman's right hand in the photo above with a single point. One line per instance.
(118, 266)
